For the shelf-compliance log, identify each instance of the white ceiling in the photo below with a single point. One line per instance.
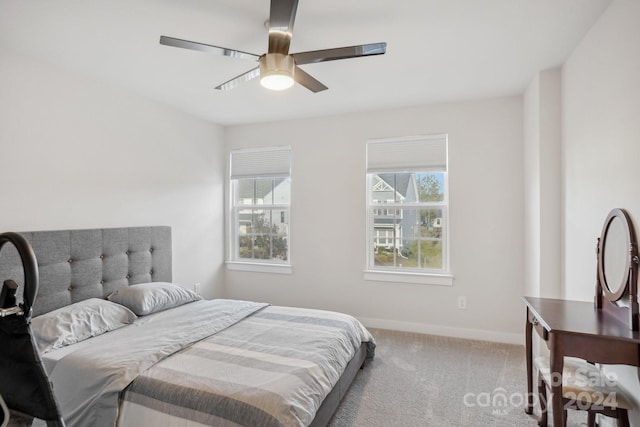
(437, 50)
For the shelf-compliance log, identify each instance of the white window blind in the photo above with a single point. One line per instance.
(261, 162)
(423, 153)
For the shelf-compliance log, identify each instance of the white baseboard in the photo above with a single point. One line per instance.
(447, 331)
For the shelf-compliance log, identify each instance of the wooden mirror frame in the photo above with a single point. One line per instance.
(606, 298)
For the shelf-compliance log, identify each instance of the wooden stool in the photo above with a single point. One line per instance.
(584, 388)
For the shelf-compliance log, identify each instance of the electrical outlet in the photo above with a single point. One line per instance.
(196, 288)
(462, 303)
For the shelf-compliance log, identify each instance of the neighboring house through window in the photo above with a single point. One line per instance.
(407, 210)
(260, 189)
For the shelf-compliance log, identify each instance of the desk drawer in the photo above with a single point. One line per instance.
(542, 332)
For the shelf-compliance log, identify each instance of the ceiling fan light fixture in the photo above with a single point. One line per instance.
(276, 71)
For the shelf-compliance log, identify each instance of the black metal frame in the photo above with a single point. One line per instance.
(25, 386)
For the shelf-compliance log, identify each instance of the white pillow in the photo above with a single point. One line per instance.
(77, 322)
(147, 298)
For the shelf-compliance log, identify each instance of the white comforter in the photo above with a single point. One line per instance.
(278, 363)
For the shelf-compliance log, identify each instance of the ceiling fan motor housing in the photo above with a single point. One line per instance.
(277, 71)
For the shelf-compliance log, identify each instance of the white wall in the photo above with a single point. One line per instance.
(531, 127)
(76, 153)
(601, 142)
(328, 219)
(542, 185)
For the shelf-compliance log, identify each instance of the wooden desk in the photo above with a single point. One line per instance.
(578, 329)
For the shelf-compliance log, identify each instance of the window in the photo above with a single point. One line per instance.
(407, 210)
(260, 188)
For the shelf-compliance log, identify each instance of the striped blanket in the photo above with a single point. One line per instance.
(273, 368)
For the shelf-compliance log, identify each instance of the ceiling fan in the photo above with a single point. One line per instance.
(278, 69)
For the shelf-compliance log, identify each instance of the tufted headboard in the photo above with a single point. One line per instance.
(75, 265)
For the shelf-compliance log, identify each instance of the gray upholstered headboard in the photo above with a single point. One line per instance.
(78, 264)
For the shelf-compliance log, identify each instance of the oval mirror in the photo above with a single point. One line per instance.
(614, 257)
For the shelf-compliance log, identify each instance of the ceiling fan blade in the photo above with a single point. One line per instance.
(339, 53)
(244, 77)
(186, 44)
(281, 19)
(308, 81)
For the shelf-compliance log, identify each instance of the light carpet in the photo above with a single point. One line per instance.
(418, 380)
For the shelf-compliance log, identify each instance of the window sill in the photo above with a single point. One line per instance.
(406, 277)
(260, 267)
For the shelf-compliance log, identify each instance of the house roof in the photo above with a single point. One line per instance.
(402, 181)
(437, 51)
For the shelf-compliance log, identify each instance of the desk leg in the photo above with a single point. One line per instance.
(528, 329)
(556, 349)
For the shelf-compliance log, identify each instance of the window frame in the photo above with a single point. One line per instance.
(234, 262)
(373, 272)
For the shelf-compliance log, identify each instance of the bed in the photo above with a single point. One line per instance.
(125, 346)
